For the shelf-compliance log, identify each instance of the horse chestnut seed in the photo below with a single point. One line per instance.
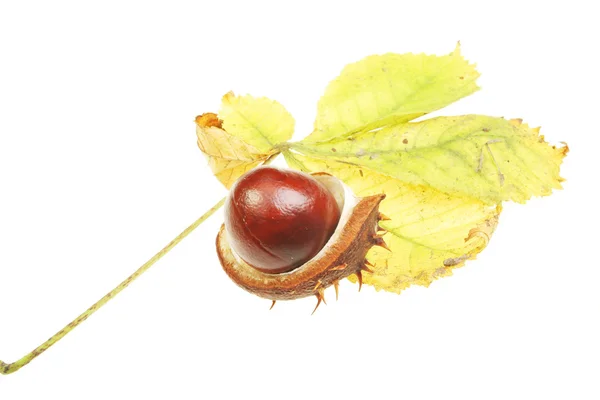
(277, 219)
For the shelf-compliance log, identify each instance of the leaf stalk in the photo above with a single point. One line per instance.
(6, 369)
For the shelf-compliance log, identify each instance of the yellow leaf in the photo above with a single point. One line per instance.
(486, 158)
(244, 135)
(429, 232)
(383, 89)
(229, 157)
(260, 122)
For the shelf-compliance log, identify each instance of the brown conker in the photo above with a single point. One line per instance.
(344, 255)
(278, 219)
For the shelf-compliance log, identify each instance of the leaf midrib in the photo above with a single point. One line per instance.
(348, 155)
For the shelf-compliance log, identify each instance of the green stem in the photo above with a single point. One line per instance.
(6, 369)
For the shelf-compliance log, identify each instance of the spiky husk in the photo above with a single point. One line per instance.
(343, 256)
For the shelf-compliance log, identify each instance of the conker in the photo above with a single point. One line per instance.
(278, 219)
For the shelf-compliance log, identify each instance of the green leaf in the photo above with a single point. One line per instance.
(260, 122)
(391, 88)
(486, 158)
(429, 232)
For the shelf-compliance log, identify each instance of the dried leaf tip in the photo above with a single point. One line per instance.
(208, 120)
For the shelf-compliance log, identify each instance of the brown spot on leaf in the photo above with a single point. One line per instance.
(333, 149)
(486, 129)
(450, 262)
(405, 141)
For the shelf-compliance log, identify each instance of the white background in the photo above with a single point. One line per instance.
(99, 169)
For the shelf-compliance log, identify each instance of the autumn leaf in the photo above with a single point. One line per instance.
(243, 135)
(429, 232)
(486, 158)
(444, 178)
(388, 89)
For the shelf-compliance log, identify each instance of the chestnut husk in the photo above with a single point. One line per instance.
(343, 255)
